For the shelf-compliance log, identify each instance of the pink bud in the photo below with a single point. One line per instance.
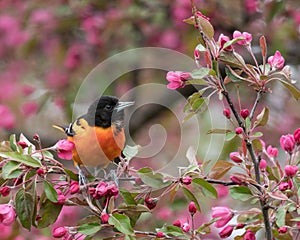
(235, 156)
(238, 130)
(196, 54)
(249, 235)
(290, 183)
(297, 136)
(151, 202)
(247, 37)
(244, 113)
(7, 214)
(283, 186)
(4, 191)
(192, 208)
(112, 190)
(287, 143)
(160, 235)
(282, 229)
(236, 180)
(40, 172)
(74, 187)
(290, 170)
(276, 61)
(240, 225)
(222, 40)
(186, 180)
(59, 232)
(273, 152)
(263, 164)
(104, 218)
(224, 213)
(177, 223)
(64, 149)
(22, 144)
(226, 232)
(177, 79)
(185, 227)
(226, 112)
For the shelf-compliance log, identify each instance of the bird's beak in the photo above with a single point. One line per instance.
(121, 105)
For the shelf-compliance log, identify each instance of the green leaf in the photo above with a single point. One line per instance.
(50, 192)
(11, 170)
(257, 145)
(257, 135)
(205, 228)
(139, 208)
(89, 228)
(127, 196)
(18, 157)
(218, 131)
(71, 174)
(173, 231)
(248, 123)
(280, 216)
(24, 208)
(240, 193)
(220, 168)
(130, 151)
(232, 59)
(206, 27)
(234, 77)
(155, 180)
(191, 197)
(12, 142)
(262, 118)
(122, 223)
(231, 42)
(229, 136)
(293, 90)
(196, 81)
(207, 188)
(48, 213)
(200, 73)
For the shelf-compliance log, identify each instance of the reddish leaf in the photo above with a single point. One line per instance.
(220, 169)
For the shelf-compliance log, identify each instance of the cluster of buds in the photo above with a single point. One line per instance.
(104, 189)
(185, 227)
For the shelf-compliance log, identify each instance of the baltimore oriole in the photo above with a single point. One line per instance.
(98, 135)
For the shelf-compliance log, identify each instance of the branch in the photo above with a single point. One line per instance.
(258, 97)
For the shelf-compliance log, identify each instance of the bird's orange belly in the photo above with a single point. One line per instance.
(97, 146)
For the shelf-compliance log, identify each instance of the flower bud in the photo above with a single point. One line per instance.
(290, 170)
(64, 149)
(249, 235)
(40, 172)
(160, 235)
(297, 136)
(240, 225)
(276, 61)
(36, 137)
(282, 229)
(186, 180)
(273, 152)
(247, 37)
(185, 227)
(104, 218)
(7, 214)
(224, 213)
(235, 156)
(236, 180)
(74, 187)
(22, 144)
(226, 232)
(59, 232)
(263, 165)
(177, 79)
(222, 40)
(283, 186)
(238, 130)
(4, 191)
(192, 208)
(244, 113)
(151, 202)
(287, 143)
(227, 113)
(177, 223)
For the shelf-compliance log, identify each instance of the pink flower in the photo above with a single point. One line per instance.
(177, 223)
(64, 149)
(226, 232)
(283, 186)
(276, 61)
(192, 208)
(59, 232)
(273, 152)
(7, 214)
(185, 227)
(247, 37)
(249, 235)
(238, 130)
(282, 229)
(263, 164)
(227, 112)
(73, 56)
(160, 235)
(177, 79)
(151, 202)
(101, 190)
(57, 79)
(4, 191)
(290, 170)
(7, 118)
(244, 113)
(287, 143)
(74, 187)
(222, 191)
(236, 180)
(222, 40)
(29, 108)
(297, 136)
(235, 156)
(186, 180)
(6, 231)
(104, 218)
(251, 6)
(224, 213)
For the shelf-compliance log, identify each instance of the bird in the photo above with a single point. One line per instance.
(98, 135)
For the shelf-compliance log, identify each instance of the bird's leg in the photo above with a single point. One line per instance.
(81, 175)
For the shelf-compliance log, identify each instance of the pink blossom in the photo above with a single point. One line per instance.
(249, 235)
(4, 191)
(222, 40)
(251, 6)
(177, 223)
(29, 108)
(7, 214)
(43, 17)
(64, 149)
(287, 143)
(56, 79)
(224, 214)
(273, 152)
(247, 37)
(192, 208)
(185, 227)
(6, 231)
(297, 136)
(151, 202)
(74, 187)
(263, 164)
(7, 118)
(169, 39)
(160, 235)
(73, 56)
(164, 213)
(244, 113)
(235, 156)
(227, 113)
(283, 186)
(226, 232)
(238, 130)
(276, 61)
(222, 191)
(177, 79)
(282, 229)
(290, 170)
(92, 26)
(236, 180)
(59, 232)
(104, 218)
(187, 180)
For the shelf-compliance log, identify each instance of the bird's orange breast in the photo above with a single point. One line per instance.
(96, 146)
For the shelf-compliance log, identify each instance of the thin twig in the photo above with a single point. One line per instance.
(258, 97)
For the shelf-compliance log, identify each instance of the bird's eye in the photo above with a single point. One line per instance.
(108, 107)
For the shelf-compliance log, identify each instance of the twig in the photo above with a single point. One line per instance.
(258, 97)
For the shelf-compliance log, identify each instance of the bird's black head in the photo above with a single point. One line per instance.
(105, 111)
